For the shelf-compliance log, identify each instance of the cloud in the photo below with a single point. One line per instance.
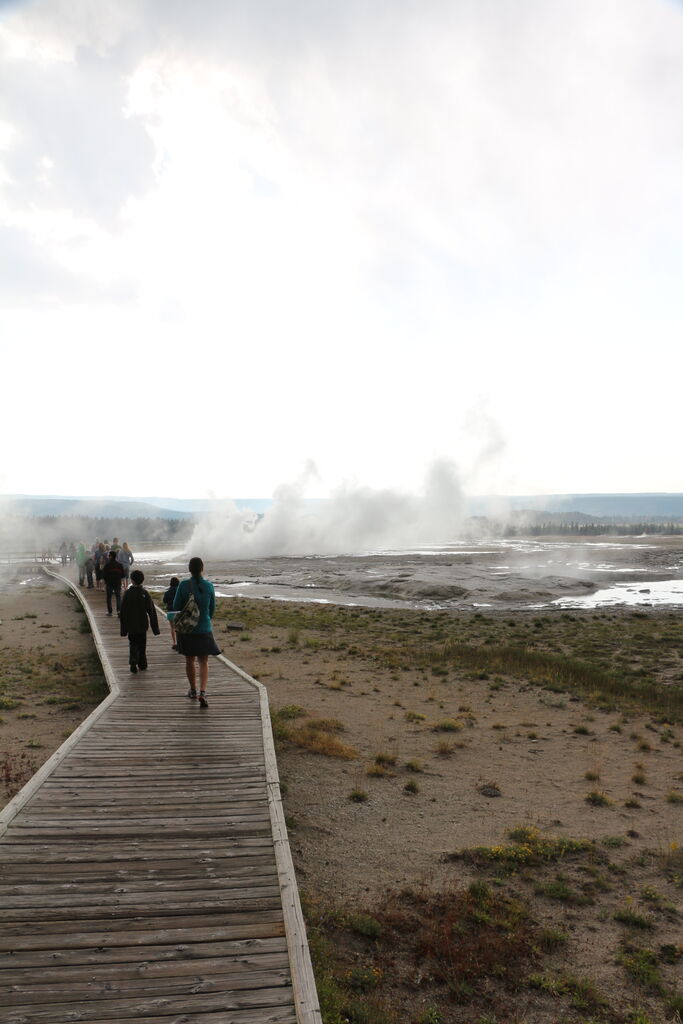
(360, 215)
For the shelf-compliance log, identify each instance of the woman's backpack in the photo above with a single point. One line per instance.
(187, 618)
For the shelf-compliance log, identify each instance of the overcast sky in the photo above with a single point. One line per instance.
(246, 241)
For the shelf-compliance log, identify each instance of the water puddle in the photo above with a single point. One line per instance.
(655, 594)
(303, 594)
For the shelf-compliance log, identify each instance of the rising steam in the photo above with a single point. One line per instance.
(354, 519)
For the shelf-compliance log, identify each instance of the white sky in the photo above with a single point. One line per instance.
(241, 236)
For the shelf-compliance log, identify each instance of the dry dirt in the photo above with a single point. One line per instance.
(50, 675)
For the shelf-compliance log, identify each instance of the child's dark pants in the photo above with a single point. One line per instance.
(137, 649)
(116, 591)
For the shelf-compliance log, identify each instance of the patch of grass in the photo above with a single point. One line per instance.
(358, 796)
(559, 889)
(597, 799)
(632, 920)
(290, 711)
(550, 940)
(414, 766)
(317, 735)
(583, 994)
(339, 1004)
(529, 848)
(447, 725)
(614, 842)
(642, 966)
(365, 924)
(592, 776)
(674, 796)
(411, 787)
(414, 716)
(385, 760)
(461, 939)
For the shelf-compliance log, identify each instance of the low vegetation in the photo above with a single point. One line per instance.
(503, 943)
(577, 654)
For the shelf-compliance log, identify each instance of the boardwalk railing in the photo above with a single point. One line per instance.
(145, 870)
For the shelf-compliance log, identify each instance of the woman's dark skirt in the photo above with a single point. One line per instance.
(196, 645)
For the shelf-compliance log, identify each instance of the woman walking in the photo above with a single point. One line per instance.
(125, 556)
(199, 643)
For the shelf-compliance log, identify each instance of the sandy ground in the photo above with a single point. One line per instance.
(522, 739)
(50, 676)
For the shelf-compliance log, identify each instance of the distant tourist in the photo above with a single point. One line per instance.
(199, 643)
(89, 566)
(63, 552)
(72, 551)
(100, 558)
(115, 546)
(80, 562)
(113, 575)
(137, 614)
(169, 597)
(125, 556)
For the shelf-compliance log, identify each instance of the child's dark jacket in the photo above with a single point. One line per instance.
(112, 572)
(137, 609)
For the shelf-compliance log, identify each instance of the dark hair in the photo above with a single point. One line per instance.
(112, 556)
(196, 565)
(174, 580)
(137, 576)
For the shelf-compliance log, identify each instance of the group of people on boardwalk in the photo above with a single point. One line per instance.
(193, 638)
(95, 564)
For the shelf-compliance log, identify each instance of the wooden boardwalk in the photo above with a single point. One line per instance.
(145, 873)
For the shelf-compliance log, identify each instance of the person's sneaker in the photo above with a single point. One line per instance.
(108, 613)
(133, 669)
(203, 702)
(192, 694)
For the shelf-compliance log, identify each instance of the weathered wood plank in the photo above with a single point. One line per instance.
(113, 1009)
(261, 1015)
(245, 977)
(15, 980)
(141, 955)
(224, 901)
(268, 925)
(236, 877)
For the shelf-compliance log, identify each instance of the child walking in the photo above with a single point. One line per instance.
(169, 598)
(137, 613)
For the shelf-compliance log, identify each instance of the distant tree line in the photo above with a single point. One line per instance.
(37, 532)
(592, 529)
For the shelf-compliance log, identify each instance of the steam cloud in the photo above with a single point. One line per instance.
(354, 519)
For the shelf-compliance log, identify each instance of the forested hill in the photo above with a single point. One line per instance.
(615, 507)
